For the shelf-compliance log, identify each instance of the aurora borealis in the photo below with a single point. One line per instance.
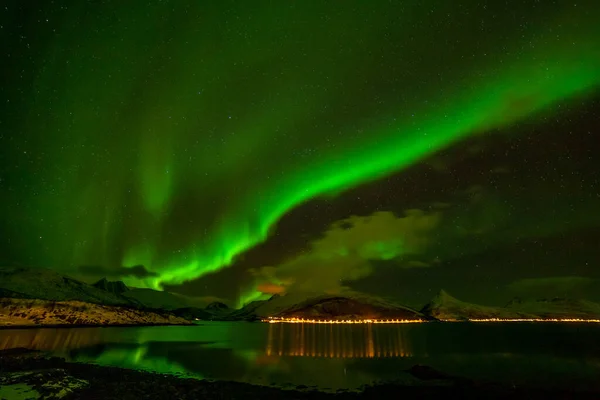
(218, 149)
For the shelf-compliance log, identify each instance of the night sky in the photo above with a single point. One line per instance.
(239, 149)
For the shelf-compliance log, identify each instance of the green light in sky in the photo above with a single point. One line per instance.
(185, 152)
(515, 95)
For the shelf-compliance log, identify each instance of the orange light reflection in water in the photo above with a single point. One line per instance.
(335, 341)
(347, 321)
(340, 339)
(49, 339)
(532, 320)
(294, 320)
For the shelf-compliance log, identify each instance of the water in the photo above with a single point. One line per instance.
(335, 356)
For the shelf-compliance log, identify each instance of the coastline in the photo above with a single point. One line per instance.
(266, 321)
(77, 326)
(36, 313)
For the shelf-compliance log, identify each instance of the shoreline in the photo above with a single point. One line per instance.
(42, 374)
(330, 322)
(76, 326)
(35, 313)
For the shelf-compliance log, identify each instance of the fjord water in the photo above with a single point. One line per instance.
(335, 356)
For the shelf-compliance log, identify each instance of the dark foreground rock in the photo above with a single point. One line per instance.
(27, 374)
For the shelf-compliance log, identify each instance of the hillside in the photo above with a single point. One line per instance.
(23, 312)
(445, 307)
(156, 299)
(217, 307)
(273, 306)
(162, 299)
(44, 297)
(215, 311)
(105, 302)
(117, 287)
(558, 308)
(349, 307)
(44, 284)
(250, 312)
(311, 306)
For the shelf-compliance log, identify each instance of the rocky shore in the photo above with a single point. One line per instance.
(26, 374)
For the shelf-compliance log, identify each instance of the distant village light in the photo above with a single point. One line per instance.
(295, 320)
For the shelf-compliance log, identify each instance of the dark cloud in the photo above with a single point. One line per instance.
(137, 271)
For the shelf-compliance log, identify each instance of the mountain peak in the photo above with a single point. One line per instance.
(443, 297)
(515, 301)
(217, 306)
(46, 284)
(116, 287)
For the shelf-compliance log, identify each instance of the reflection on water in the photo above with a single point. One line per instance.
(333, 356)
(50, 339)
(336, 341)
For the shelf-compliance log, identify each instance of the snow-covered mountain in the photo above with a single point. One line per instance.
(445, 307)
(214, 311)
(28, 312)
(159, 299)
(42, 297)
(557, 308)
(117, 287)
(45, 284)
(50, 286)
(350, 305)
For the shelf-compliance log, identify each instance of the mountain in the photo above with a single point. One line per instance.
(76, 301)
(558, 308)
(349, 307)
(215, 311)
(443, 306)
(273, 306)
(193, 313)
(116, 287)
(162, 299)
(28, 312)
(310, 306)
(250, 312)
(45, 284)
(44, 297)
(156, 299)
(259, 309)
(218, 308)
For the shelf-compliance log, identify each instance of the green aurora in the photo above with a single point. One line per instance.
(177, 137)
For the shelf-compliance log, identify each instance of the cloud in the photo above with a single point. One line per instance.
(137, 271)
(553, 286)
(270, 288)
(343, 253)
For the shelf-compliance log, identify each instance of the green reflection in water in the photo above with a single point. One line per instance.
(134, 357)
